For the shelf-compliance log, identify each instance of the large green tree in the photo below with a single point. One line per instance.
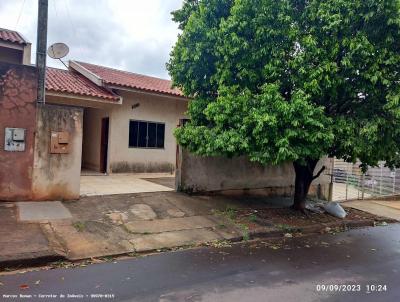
(290, 80)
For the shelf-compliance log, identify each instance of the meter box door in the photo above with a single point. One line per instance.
(59, 142)
(14, 139)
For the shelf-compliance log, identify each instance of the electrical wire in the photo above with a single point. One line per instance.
(19, 15)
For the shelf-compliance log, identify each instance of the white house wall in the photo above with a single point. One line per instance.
(146, 107)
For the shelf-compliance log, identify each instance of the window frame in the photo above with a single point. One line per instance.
(147, 132)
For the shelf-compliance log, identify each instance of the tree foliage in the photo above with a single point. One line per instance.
(290, 80)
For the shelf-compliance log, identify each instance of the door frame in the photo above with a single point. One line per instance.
(105, 128)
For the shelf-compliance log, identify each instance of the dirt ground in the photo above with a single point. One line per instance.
(290, 219)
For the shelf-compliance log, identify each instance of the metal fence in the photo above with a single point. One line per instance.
(349, 183)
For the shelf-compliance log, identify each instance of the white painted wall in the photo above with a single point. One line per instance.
(154, 108)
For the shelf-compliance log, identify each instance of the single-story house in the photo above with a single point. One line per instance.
(128, 119)
(95, 118)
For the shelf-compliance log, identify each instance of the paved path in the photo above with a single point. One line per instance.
(383, 208)
(243, 272)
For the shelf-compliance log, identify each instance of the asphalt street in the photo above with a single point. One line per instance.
(358, 265)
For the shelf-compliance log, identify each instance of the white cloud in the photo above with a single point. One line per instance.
(133, 35)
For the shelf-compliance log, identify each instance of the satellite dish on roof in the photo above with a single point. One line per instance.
(58, 50)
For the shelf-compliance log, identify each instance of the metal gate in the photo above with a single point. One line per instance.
(349, 183)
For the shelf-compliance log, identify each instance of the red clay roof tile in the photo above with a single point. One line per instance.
(121, 78)
(11, 36)
(66, 81)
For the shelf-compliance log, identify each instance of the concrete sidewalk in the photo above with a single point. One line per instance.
(385, 208)
(100, 226)
(21, 242)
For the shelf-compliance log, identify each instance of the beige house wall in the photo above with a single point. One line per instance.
(146, 107)
(121, 158)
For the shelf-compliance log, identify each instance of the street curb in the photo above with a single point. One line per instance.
(313, 229)
(31, 260)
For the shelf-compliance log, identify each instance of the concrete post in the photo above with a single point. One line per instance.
(41, 48)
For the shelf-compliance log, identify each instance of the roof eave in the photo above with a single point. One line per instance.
(146, 91)
(66, 94)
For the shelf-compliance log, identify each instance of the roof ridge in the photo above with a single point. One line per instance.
(125, 71)
(68, 81)
(51, 67)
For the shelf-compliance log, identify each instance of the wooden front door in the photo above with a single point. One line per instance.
(104, 145)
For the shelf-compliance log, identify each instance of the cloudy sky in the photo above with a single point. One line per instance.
(132, 35)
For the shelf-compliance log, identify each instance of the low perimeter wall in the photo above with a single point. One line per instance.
(57, 176)
(240, 176)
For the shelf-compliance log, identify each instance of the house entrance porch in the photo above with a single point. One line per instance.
(126, 184)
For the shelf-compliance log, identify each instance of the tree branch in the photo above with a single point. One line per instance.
(319, 173)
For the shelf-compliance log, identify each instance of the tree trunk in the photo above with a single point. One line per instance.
(304, 178)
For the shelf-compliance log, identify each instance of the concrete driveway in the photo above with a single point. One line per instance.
(126, 184)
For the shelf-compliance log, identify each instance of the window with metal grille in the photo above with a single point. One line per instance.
(143, 134)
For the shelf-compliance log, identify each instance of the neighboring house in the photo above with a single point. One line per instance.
(18, 94)
(14, 47)
(129, 118)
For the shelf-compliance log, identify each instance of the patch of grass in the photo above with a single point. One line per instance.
(245, 232)
(231, 213)
(253, 218)
(285, 227)
(79, 226)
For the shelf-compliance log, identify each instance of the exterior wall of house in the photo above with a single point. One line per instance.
(92, 138)
(18, 93)
(57, 176)
(144, 107)
(10, 55)
(239, 175)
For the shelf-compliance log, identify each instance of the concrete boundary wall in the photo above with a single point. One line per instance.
(57, 176)
(238, 175)
(18, 93)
